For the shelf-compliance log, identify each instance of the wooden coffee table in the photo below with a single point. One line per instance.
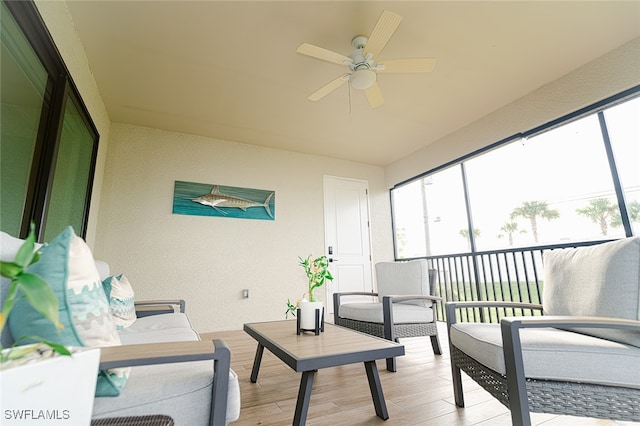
(307, 353)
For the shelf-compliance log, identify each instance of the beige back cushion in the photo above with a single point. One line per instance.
(398, 278)
(601, 280)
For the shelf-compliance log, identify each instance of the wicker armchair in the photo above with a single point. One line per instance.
(407, 307)
(576, 354)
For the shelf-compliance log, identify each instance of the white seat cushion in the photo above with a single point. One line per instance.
(372, 312)
(159, 328)
(180, 390)
(553, 354)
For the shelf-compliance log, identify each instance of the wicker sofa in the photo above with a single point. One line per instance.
(575, 354)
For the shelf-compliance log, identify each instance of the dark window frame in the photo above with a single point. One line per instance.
(40, 183)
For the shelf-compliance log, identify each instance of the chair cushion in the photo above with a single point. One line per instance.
(394, 278)
(553, 354)
(180, 390)
(601, 280)
(67, 265)
(372, 312)
(184, 393)
(174, 327)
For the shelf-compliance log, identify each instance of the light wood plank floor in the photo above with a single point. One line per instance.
(419, 393)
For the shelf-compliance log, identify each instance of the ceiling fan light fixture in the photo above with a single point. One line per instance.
(362, 79)
(363, 61)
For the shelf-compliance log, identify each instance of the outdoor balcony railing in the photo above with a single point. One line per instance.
(515, 275)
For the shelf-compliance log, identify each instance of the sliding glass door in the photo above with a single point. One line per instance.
(25, 98)
(48, 141)
(73, 175)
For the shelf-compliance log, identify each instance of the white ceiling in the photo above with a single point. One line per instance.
(229, 69)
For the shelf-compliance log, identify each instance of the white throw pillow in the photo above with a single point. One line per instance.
(121, 300)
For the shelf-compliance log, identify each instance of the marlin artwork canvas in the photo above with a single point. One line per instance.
(202, 199)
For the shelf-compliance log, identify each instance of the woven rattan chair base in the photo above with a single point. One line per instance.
(157, 420)
(400, 330)
(562, 398)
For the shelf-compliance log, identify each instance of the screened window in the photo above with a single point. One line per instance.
(623, 124)
(430, 215)
(556, 186)
(538, 191)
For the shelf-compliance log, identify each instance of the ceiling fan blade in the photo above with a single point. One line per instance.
(374, 95)
(328, 88)
(321, 53)
(382, 32)
(409, 65)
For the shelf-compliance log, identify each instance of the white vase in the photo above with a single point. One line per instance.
(50, 391)
(308, 314)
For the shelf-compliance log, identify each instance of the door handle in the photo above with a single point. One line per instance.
(332, 260)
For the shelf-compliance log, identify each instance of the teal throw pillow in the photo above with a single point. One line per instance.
(68, 266)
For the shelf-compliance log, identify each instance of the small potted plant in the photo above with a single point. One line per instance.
(317, 271)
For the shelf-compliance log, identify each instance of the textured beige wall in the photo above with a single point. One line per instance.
(209, 260)
(606, 76)
(60, 25)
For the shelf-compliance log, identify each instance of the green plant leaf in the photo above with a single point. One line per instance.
(62, 350)
(9, 301)
(40, 296)
(10, 269)
(25, 254)
(18, 352)
(291, 309)
(36, 257)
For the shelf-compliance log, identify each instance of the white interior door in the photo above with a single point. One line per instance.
(347, 235)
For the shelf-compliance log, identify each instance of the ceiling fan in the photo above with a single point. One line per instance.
(363, 61)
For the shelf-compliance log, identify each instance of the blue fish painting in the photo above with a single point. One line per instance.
(201, 199)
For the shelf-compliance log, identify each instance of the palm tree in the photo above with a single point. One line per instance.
(634, 214)
(634, 211)
(401, 240)
(510, 228)
(465, 234)
(599, 211)
(531, 210)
